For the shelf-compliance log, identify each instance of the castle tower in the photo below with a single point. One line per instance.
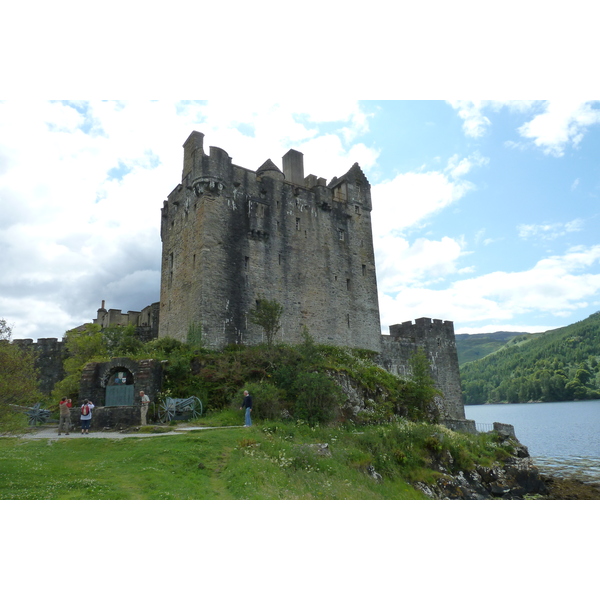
(231, 236)
(436, 338)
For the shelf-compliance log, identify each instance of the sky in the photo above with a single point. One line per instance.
(485, 213)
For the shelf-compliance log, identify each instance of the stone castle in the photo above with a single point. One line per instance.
(232, 236)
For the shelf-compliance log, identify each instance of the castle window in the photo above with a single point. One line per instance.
(347, 284)
(340, 193)
(170, 269)
(246, 262)
(341, 235)
(279, 258)
(348, 319)
(297, 224)
(357, 209)
(364, 270)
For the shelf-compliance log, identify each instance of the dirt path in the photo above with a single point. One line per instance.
(44, 433)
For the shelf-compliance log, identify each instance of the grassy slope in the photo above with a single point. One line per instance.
(268, 461)
(526, 359)
(475, 346)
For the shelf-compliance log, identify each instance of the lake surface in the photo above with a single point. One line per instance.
(563, 438)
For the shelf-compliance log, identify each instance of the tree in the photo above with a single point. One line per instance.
(5, 330)
(422, 391)
(18, 376)
(267, 315)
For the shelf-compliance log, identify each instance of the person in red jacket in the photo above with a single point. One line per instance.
(64, 420)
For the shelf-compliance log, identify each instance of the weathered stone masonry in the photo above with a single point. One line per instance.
(231, 236)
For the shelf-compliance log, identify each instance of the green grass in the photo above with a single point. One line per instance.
(268, 461)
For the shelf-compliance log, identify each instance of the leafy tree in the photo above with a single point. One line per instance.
(18, 376)
(421, 392)
(121, 340)
(5, 330)
(267, 315)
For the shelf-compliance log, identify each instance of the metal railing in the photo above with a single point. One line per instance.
(484, 427)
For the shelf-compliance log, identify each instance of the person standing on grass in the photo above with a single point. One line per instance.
(247, 404)
(64, 421)
(145, 404)
(86, 416)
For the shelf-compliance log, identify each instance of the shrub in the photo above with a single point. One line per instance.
(317, 398)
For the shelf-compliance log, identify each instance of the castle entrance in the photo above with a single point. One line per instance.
(119, 388)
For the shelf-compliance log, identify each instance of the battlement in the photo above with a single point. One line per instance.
(423, 327)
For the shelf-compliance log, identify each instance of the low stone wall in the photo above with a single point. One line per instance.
(113, 417)
(460, 425)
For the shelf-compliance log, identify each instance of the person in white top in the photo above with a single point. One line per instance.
(86, 416)
(145, 404)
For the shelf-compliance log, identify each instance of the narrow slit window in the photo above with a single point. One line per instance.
(246, 262)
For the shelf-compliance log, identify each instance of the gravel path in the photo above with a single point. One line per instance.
(44, 433)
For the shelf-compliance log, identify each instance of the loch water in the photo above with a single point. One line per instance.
(563, 438)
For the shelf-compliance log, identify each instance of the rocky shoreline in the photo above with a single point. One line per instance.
(516, 478)
(569, 488)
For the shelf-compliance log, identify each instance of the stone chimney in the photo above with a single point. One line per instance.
(193, 144)
(293, 167)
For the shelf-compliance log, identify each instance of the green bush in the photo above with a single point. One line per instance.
(317, 398)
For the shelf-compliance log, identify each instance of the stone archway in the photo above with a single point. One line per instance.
(98, 378)
(119, 387)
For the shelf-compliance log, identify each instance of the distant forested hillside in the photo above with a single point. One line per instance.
(473, 346)
(562, 364)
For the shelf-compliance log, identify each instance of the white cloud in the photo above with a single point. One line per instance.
(401, 264)
(557, 286)
(410, 198)
(549, 231)
(475, 124)
(563, 123)
(560, 123)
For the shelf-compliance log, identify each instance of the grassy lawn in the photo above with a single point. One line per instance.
(271, 460)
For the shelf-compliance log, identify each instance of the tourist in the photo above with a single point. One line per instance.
(144, 408)
(247, 404)
(86, 416)
(64, 421)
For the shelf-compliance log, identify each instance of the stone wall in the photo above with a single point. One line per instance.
(231, 235)
(113, 417)
(49, 357)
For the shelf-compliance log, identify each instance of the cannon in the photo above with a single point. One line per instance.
(179, 408)
(37, 415)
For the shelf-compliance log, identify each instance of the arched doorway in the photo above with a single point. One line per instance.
(119, 384)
